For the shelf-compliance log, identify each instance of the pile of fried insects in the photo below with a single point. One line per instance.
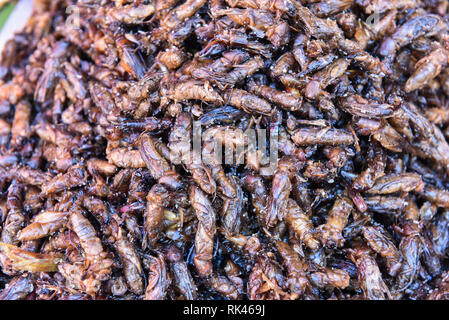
(100, 193)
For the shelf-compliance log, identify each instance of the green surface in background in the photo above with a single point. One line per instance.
(5, 12)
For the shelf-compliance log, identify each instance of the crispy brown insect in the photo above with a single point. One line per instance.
(427, 69)
(206, 230)
(297, 281)
(247, 102)
(404, 182)
(337, 219)
(17, 289)
(129, 140)
(157, 200)
(183, 280)
(132, 268)
(284, 100)
(44, 224)
(15, 217)
(358, 106)
(193, 90)
(301, 224)
(379, 242)
(330, 278)
(158, 279)
(369, 276)
(29, 261)
(74, 177)
(278, 198)
(324, 136)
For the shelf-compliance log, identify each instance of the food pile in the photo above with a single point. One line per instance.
(106, 194)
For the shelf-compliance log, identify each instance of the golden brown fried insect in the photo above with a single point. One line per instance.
(15, 218)
(125, 158)
(369, 276)
(183, 280)
(142, 88)
(285, 100)
(278, 198)
(337, 219)
(157, 200)
(375, 169)
(391, 183)
(384, 204)
(255, 185)
(181, 13)
(323, 78)
(301, 224)
(261, 22)
(422, 25)
(238, 39)
(247, 102)
(172, 58)
(427, 69)
(20, 128)
(100, 166)
(206, 230)
(366, 33)
(296, 281)
(223, 286)
(314, 26)
(330, 8)
(231, 217)
(131, 14)
(81, 275)
(322, 136)
(284, 6)
(179, 139)
(97, 122)
(29, 261)
(359, 106)
(87, 235)
(193, 90)
(18, 288)
(380, 242)
(265, 280)
(329, 278)
(380, 6)
(130, 59)
(158, 279)
(158, 166)
(411, 248)
(437, 196)
(390, 139)
(240, 72)
(439, 233)
(61, 241)
(132, 268)
(215, 69)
